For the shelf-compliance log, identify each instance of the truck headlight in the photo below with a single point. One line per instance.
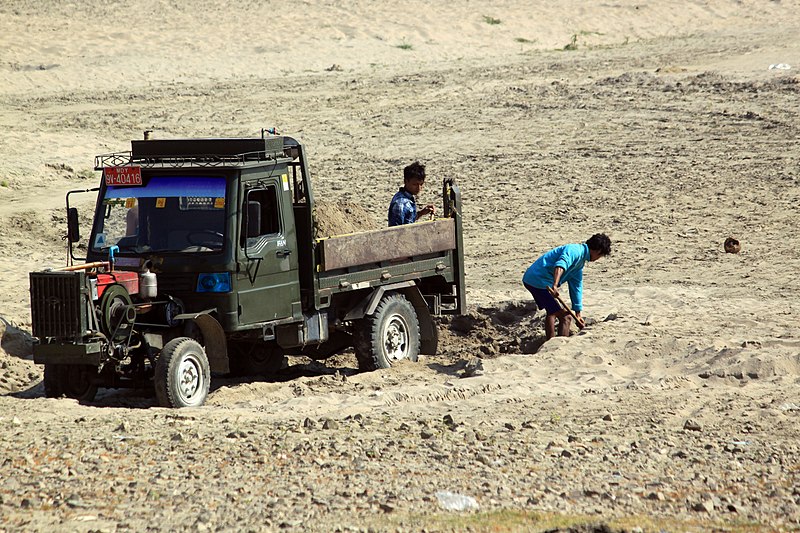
(214, 282)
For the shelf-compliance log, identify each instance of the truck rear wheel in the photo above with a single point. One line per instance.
(389, 335)
(254, 358)
(72, 381)
(183, 375)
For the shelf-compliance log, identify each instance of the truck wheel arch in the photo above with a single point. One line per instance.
(429, 334)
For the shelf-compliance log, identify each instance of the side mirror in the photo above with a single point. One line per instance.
(73, 231)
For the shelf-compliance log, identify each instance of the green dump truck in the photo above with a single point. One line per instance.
(203, 259)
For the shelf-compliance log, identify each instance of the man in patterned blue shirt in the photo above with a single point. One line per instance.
(403, 209)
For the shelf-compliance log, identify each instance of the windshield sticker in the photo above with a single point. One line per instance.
(128, 261)
(173, 187)
(100, 240)
(285, 180)
(219, 203)
(161, 203)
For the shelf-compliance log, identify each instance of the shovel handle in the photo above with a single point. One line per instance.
(565, 307)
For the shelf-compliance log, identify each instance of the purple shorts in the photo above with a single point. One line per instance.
(544, 300)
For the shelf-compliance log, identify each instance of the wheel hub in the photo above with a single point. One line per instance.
(189, 378)
(396, 339)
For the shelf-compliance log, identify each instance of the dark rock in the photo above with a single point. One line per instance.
(706, 506)
(463, 323)
(474, 367)
(691, 425)
(488, 349)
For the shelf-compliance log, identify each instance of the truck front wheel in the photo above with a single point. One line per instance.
(72, 381)
(389, 335)
(183, 374)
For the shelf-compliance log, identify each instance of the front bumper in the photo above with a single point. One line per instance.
(68, 354)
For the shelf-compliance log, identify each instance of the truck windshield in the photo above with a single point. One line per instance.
(165, 214)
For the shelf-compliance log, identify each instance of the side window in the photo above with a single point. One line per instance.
(260, 215)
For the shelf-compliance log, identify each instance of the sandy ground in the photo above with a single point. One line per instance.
(658, 123)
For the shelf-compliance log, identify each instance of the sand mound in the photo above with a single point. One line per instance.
(17, 371)
(342, 217)
(750, 361)
(508, 328)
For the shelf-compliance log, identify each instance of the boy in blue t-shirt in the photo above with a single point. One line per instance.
(559, 265)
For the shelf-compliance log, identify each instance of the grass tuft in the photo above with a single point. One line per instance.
(573, 44)
(510, 520)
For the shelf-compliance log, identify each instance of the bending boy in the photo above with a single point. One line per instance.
(559, 265)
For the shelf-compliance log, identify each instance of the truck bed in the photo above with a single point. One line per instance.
(388, 244)
(387, 256)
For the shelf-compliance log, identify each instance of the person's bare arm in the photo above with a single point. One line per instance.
(557, 272)
(429, 209)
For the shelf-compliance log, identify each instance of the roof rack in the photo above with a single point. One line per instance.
(182, 153)
(124, 159)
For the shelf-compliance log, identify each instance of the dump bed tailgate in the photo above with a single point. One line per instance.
(388, 256)
(390, 244)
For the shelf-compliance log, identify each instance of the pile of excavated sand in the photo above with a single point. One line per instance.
(512, 327)
(17, 370)
(342, 217)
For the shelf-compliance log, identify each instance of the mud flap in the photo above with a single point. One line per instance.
(213, 340)
(428, 332)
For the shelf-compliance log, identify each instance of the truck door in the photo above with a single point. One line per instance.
(268, 282)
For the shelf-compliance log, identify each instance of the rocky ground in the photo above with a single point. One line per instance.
(324, 448)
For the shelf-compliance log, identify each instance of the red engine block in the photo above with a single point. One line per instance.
(129, 280)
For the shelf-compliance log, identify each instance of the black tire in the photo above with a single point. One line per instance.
(183, 375)
(71, 381)
(389, 335)
(254, 358)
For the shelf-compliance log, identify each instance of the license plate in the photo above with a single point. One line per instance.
(125, 176)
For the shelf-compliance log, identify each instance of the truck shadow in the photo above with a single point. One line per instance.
(126, 398)
(144, 398)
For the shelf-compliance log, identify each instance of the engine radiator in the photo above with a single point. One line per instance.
(58, 305)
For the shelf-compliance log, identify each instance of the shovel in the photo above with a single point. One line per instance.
(581, 324)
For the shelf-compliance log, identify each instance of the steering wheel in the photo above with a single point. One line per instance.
(193, 238)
